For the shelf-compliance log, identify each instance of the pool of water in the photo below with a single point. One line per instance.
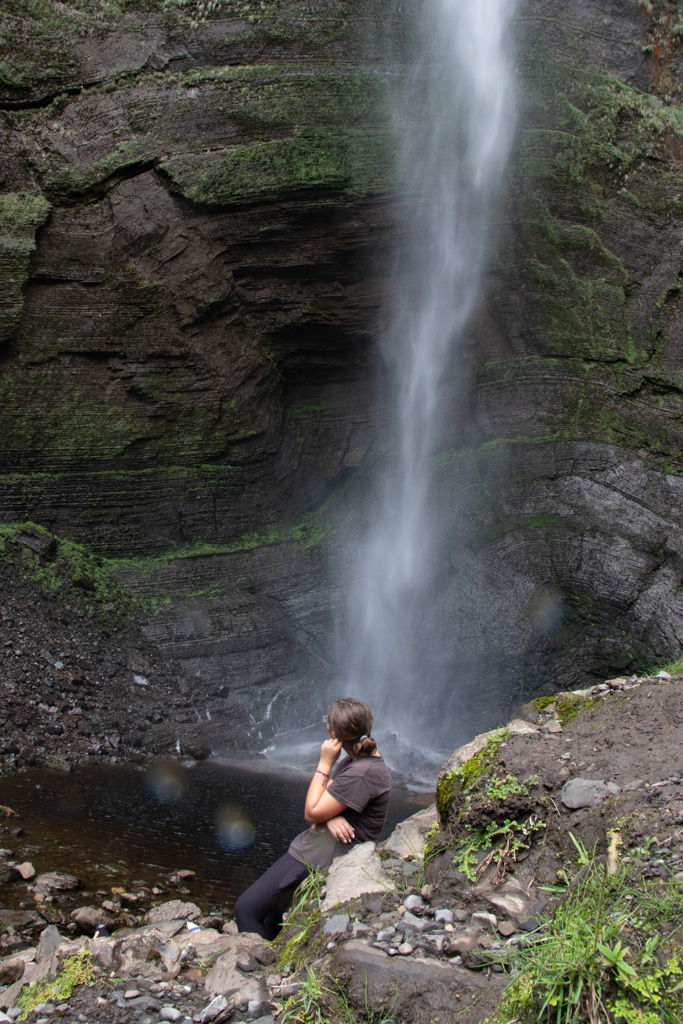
(119, 824)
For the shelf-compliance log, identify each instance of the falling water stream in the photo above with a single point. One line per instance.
(454, 118)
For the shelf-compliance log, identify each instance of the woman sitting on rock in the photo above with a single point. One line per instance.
(346, 806)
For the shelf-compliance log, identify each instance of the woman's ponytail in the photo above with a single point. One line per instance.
(350, 720)
(364, 747)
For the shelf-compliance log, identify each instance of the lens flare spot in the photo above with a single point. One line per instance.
(165, 783)
(235, 831)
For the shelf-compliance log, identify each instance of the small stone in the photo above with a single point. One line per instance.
(483, 920)
(444, 916)
(662, 674)
(58, 880)
(553, 726)
(461, 915)
(577, 793)
(405, 949)
(413, 903)
(26, 870)
(416, 923)
(506, 928)
(372, 903)
(386, 933)
(254, 1008)
(170, 1013)
(214, 1008)
(427, 892)
(246, 963)
(336, 924)
(132, 993)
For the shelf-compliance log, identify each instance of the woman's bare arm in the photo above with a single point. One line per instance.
(320, 805)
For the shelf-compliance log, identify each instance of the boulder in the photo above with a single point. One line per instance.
(424, 989)
(408, 838)
(354, 873)
(89, 919)
(173, 910)
(225, 978)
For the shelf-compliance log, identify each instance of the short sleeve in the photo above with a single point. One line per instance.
(350, 788)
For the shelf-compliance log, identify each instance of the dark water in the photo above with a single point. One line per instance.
(115, 824)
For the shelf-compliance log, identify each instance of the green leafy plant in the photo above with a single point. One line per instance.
(611, 953)
(77, 970)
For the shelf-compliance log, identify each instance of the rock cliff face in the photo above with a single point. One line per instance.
(196, 223)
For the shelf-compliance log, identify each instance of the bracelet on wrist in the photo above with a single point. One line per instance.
(319, 772)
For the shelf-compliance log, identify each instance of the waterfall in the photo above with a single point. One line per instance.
(454, 118)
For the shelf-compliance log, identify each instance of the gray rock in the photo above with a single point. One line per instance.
(385, 934)
(374, 978)
(410, 921)
(552, 727)
(578, 793)
(413, 903)
(246, 962)
(58, 880)
(88, 919)
(26, 870)
(170, 1013)
(11, 969)
(213, 1009)
(254, 1008)
(357, 872)
(463, 942)
(488, 922)
(173, 910)
(444, 916)
(405, 949)
(408, 838)
(337, 924)
(50, 940)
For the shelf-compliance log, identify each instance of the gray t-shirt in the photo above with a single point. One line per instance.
(363, 786)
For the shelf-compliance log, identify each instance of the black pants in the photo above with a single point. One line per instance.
(261, 907)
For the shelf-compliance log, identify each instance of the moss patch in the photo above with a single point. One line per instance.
(21, 214)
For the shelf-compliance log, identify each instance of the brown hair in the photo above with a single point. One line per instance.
(350, 720)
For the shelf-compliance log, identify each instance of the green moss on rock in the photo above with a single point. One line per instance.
(21, 214)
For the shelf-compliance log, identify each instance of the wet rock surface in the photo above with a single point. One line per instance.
(195, 341)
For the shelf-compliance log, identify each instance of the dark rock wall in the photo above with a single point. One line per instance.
(196, 222)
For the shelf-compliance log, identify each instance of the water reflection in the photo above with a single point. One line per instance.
(227, 822)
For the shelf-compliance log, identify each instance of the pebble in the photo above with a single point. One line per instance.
(170, 1013)
(210, 1012)
(445, 916)
(405, 949)
(413, 903)
(484, 920)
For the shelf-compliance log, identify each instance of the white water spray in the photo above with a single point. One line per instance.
(454, 115)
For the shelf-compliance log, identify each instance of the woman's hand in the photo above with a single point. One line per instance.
(340, 829)
(329, 752)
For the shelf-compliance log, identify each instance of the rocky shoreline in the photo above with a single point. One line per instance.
(415, 928)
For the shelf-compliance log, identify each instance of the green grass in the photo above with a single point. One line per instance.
(612, 953)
